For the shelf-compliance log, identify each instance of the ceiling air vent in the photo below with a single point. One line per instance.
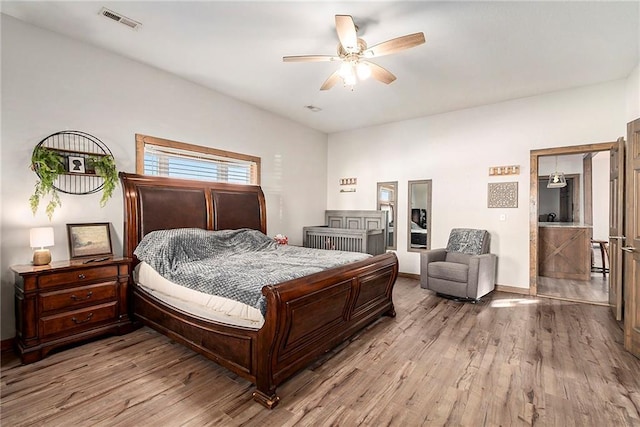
(120, 18)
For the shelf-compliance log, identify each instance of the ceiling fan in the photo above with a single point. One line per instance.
(354, 53)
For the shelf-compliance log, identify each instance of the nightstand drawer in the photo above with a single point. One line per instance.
(86, 318)
(79, 276)
(74, 297)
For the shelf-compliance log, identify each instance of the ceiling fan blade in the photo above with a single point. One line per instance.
(310, 58)
(395, 45)
(331, 81)
(346, 30)
(380, 74)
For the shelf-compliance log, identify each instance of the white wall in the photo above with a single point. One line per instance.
(456, 149)
(52, 83)
(633, 94)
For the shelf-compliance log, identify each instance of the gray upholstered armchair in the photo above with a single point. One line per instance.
(465, 269)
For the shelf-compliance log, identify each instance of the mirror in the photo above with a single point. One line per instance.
(387, 192)
(419, 210)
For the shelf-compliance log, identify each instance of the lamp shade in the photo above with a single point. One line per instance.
(41, 237)
(557, 180)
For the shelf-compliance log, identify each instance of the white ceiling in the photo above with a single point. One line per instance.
(476, 52)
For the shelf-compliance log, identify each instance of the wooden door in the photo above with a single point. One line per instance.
(566, 210)
(616, 228)
(632, 243)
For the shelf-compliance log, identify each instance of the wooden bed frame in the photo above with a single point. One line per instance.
(305, 317)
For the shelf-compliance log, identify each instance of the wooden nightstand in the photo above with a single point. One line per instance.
(67, 302)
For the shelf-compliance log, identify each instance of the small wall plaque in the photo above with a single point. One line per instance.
(503, 195)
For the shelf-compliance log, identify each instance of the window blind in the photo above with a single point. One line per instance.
(181, 163)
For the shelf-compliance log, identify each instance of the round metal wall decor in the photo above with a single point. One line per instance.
(77, 150)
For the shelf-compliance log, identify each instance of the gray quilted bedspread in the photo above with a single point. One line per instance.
(234, 264)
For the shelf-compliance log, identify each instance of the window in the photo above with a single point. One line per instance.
(156, 156)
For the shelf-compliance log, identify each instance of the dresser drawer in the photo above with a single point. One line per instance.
(78, 276)
(74, 297)
(78, 320)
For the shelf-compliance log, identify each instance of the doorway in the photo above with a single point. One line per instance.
(574, 209)
(559, 204)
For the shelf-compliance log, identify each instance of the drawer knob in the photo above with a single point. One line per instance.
(81, 276)
(75, 298)
(77, 322)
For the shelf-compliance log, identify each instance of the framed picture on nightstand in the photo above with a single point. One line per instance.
(86, 240)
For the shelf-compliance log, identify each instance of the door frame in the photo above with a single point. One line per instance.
(533, 198)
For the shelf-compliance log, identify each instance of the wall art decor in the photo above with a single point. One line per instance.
(503, 195)
(71, 162)
(90, 240)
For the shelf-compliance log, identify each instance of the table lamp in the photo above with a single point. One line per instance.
(39, 238)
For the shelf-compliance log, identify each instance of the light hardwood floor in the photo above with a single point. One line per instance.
(509, 360)
(594, 291)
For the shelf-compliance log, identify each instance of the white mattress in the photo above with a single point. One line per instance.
(210, 307)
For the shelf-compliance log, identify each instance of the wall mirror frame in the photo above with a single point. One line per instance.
(387, 200)
(419, 216)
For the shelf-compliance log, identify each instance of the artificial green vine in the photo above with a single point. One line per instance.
(48, 164)
(105, 167)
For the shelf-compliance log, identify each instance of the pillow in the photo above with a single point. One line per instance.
(468, 241)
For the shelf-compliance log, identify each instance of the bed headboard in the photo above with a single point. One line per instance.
(155, 203)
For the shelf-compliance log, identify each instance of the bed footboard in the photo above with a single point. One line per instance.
(308, 317)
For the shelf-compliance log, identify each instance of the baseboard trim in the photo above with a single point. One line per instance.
(499, 288)
(7, 345)
(512, 290)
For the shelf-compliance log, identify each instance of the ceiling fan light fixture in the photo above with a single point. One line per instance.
(363, 70)
(350, 80)
(346, 70)
(353, 52)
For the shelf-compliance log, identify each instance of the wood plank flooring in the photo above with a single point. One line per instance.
(509, 360)
(594, 291)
